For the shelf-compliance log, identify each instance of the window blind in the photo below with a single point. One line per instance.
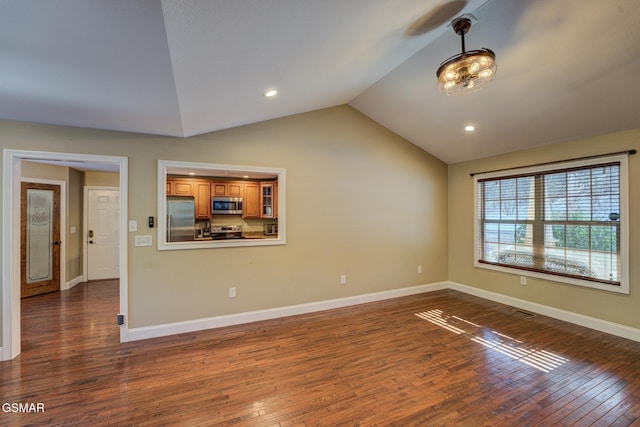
(563, 222)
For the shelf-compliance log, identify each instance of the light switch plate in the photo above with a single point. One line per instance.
(143, 240)
(133, 225)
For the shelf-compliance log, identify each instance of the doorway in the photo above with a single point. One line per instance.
(11, 200)
(40, 239)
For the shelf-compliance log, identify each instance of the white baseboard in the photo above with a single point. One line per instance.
(567, 316)
(74, 282)
(155, 331)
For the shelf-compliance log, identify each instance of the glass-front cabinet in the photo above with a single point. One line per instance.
(267, 205)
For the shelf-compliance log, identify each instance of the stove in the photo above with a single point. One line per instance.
(219, 232)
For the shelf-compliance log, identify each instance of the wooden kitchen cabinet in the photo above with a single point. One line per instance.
(203, 199)
(219, 188)
(268, 199)
(177, 187)
(200, 190)
(260, 200)
(251, 201)
(275, 199)
(230, 189)
(234, 189)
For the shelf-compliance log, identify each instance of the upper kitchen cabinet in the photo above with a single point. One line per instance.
(260, 200)
(177, 187)
(231, 189)
(268, 200)
(275, 199)
(203, 199)
(251, 206)
(200, 190)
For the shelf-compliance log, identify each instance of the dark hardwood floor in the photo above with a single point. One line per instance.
(442, 358)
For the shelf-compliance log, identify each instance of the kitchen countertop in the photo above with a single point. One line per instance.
(244, 236)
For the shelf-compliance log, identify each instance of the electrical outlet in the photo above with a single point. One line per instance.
(343, 279)
(419, 269)
(232, 292)
(523, 280)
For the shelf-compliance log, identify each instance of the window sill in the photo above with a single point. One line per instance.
(623, 288)
(231, 243)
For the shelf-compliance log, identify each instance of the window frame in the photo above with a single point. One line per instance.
(623, 287)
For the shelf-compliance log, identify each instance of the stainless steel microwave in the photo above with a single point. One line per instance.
(226, 205)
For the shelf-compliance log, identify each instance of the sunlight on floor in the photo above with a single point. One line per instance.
(540, 359)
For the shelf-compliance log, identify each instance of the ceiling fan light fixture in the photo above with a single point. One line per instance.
(466, 72)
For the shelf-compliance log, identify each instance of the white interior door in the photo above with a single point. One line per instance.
(103, 234)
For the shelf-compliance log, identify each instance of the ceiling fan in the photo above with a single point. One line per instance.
(468, 71)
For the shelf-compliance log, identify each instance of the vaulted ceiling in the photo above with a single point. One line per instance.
(566, 69)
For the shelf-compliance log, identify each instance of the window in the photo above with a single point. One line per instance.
(565, 222)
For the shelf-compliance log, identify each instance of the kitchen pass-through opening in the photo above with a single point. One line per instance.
(203, 205)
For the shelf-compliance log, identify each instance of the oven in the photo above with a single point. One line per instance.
(220, 232)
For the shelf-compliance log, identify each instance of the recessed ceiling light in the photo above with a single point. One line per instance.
(192, 173)
(245, 176)
(469, 128)
(271, 93)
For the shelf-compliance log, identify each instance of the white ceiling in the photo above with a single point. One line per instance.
(566, 69)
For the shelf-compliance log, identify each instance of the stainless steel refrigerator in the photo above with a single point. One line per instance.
(180, 219)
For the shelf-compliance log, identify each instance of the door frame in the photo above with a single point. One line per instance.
(11, 180)
(85, 211)
(64, 285)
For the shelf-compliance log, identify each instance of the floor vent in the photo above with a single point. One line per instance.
(526, 313)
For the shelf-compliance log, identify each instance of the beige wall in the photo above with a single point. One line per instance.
(75, 200)
(101, 179)
(361, 201)
(618, 308)
(44, 171)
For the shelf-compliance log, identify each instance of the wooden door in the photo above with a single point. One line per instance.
(39, 239)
